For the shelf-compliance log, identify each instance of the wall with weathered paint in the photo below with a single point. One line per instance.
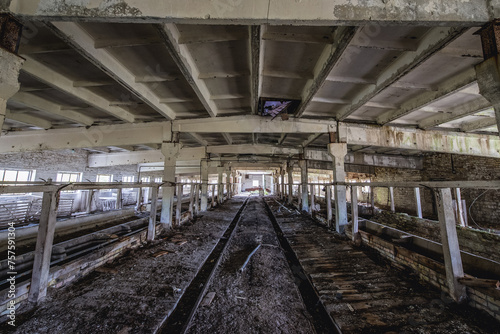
(445, 167)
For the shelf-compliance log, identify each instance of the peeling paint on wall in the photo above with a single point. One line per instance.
(90, 8)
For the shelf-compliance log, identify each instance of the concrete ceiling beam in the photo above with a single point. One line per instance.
(95, 83)
(228, 138)
(252, 124)
(311, 139)
(328, 59)
(432, 42)
(201, 36)
(447, 88)
(28, 119)
(298, 38)
(480, 124)
(38, 103)
(125, 42)
(198, 139)
(28, 49)
(65, 84)
(463, 110)
(311, 12)
(84, 43)
(187, 65)
(223, 75)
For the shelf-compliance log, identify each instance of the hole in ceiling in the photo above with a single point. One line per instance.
(275, 107)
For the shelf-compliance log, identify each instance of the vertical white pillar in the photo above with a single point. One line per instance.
(152, 214)
(391, 195)
(191, 199)
(43, 249)
(354, 211)
(329, 215)
(228, 182)
(178, 207)
(170, 152)
(234, 189)
(204, 185)
(460, 209)
(282, 188)
(312, 200)
(418, 202)
(451, 248)
(213, 195)
(90, 196)
(303, 181)
(220, 189)
(196, 199)
(338, 152)
(119, 196)
(290, 182)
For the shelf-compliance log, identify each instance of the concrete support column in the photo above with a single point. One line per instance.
(303, 182)
(329, 214)
(234, 183)
(290, 182)
(228, 182)
(204, 185)
(418, 202)
(170, 152)
(338, 152)
(90, 197)
(451, 249)
(43, 249)
(119, 196)
(488, 72)
(10, 65)
(220, 186)
(191, 199)
(354, 212)
(312, 199)
(152, 214)
(213, 195)
(178, 207)
(196, 199)
(282, 188)
(460, 209)
(391, 195)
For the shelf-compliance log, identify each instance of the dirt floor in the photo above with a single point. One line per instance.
(364, 294)
(138, 290)
(263, 298)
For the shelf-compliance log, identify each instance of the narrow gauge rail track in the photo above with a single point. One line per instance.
(184, 317)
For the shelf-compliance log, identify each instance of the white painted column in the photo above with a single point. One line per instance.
(234, 189)
(170, 152)
(460, 209)
(10, 65)
(312, 199)
(213, 195)
(418, 202)
(90, 196)
(451, 248)
(290, 182)
(391, 195)
(152, 214)
(338, 152)
(220, 186)
(228, 182)
(178, 207)
(196, 199)
(119, 196)
(204, 185)
(43, 249)
(303, 182)
(191, 199)
(282, 188)
(354, 211)
(329, 214)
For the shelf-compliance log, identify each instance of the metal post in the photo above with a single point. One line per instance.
(451, 248)
(152, 214)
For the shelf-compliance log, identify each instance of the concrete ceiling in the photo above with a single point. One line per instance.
(416, 75)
